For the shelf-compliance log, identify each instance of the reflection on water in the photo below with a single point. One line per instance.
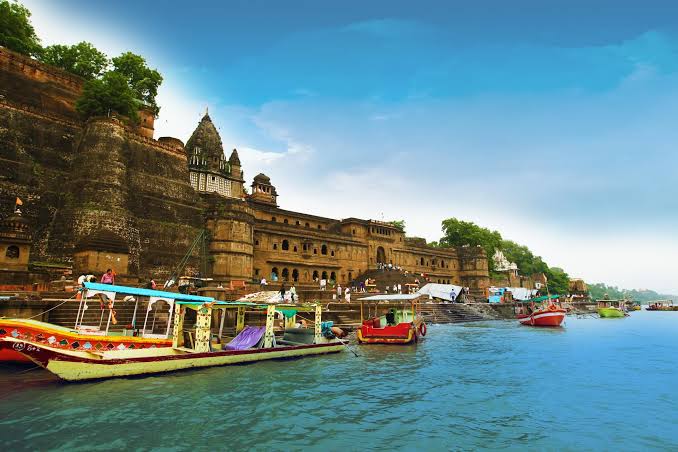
(591, 385)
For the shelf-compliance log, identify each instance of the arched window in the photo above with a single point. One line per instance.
(285, 274)
(354, 232)
(295, 249)
(442, 263)
(273, 219)
(285, 221)
(422, 261)
(304, 247)
(320, 226)
(333, 276)
(324, 275)
(308, 225)
(12, 252)
(256, 242)
(285, 245)
(434, 262)
(295, 275)
(323, 250)
(332, 253)
(315, 250)
(275, 246)
(274, 274)
(315, 275)
(297, 223)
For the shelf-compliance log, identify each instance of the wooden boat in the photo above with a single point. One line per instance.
(110, 332)
(397, 325)
(611, 309)
(191, 348)
(662, 305)
(541, 311)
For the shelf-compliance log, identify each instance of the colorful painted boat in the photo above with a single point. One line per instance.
(68, 339)
(396, 326)
(190, 348)
(107, 332)
(541, 311)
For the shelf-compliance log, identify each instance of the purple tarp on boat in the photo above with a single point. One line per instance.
(248, 338)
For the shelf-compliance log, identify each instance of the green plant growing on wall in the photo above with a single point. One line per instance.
(81, 59)
(16, 31)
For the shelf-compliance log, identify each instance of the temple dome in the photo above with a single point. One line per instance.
(262, 179)
(205, 150)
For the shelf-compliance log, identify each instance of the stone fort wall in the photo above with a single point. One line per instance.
(76, 178)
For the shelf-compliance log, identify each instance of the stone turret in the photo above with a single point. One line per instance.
(209, 170)
(236, 174)
(230, 223)
(15, 242)
(263, 191)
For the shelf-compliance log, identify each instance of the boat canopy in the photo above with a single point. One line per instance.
(393, 297)
(540, 299)
(218, 304)
(98, 287)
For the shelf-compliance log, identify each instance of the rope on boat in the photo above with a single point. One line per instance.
(52, 308)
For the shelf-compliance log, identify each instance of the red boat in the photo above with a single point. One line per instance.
(542, 311)
(396, 326)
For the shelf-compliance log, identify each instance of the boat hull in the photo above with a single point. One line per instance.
(80, 365)
(67, 339)
(403, 333)
(546, 318)
(610, 313)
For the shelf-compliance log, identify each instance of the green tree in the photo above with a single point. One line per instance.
(460, 233)
(82, 59)
(528, 264)
(143, 80)
(558, 280)
(16, 31)
(398, 224)
(106, 95)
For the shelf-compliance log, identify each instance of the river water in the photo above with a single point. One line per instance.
(594, 384)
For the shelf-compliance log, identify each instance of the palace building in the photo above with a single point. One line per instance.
(103, 193)
(253, 238)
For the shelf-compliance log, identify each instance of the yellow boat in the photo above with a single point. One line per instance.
(193, 348)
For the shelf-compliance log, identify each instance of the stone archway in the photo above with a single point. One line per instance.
(381, 255)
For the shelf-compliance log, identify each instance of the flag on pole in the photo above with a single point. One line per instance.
(19, 202)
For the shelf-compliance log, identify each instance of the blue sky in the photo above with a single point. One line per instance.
(552, 122)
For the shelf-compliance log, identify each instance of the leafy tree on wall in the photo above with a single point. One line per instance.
(143, 80)
(398, 224)
(111, 93)
(460, 233)
(81, 59)
(16, 31)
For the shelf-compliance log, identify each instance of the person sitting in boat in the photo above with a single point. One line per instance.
(390, 317)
